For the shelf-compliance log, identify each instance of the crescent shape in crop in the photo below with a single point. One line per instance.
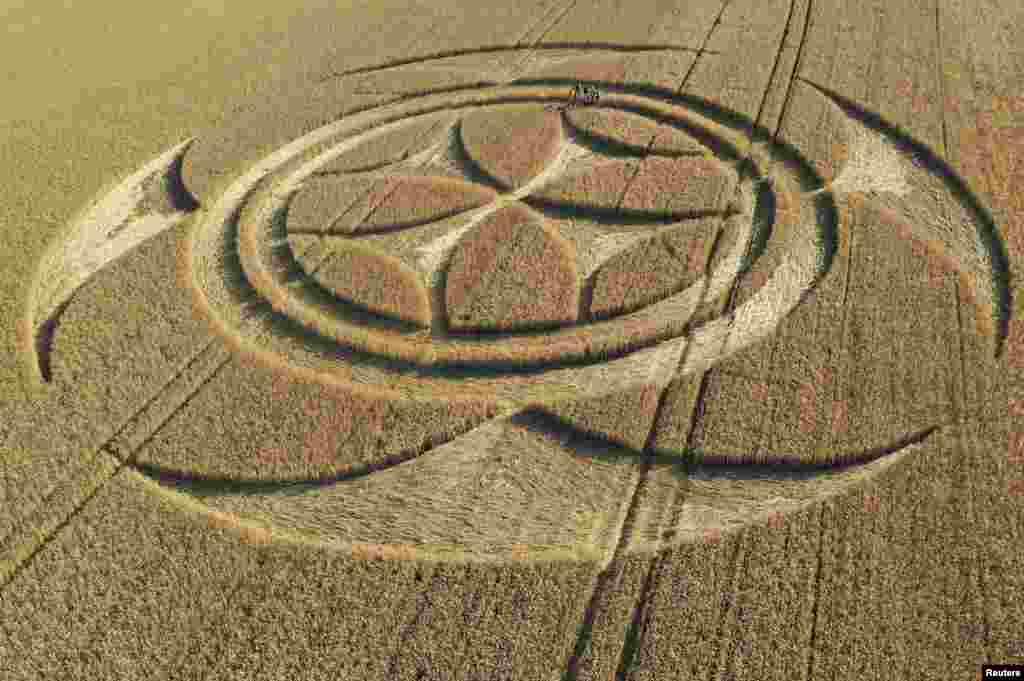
(113, 228)
(906, 177)
(150, 201)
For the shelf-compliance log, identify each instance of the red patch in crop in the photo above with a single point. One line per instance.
(757, 279)
(1016, 487)
(1016, 448)
(810, 394)
(1015, 344)
(695, 256)
(840, 417)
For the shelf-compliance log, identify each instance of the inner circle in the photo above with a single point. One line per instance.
(262, 226)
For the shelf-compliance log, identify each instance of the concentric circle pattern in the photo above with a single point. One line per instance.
(544, 281)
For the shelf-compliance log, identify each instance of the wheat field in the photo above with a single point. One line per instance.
(339, 341)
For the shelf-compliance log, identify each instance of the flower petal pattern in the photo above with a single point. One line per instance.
(651, 269)
(327, 201)
(358, 205)
(512, 144)
(598, 187)
(676, 187)
(375, 281)
(420, 200)
(511, 272)
(697, 185)
(631, 132)
(635, 277)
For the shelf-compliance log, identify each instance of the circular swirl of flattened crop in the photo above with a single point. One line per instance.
(507, 251)
(489, 245)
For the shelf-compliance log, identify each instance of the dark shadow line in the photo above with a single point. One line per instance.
(827, 216)
(988, 232)
(717, 466)
(704, 107)
(438, 292)
(939, 63)
(181, 200)
(605, 215)
(616, 148)
(45, 335)
(534, 328)
(401, 94)
(583, 444)
(469, 166)
(646, 458)
(809, 178)
(312, 293)
(764, 218)
(331, 347)
(181, 407)
(564, 45)
(200, 485)
(586, 629)
(636, 630)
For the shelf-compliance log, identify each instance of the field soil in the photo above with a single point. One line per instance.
(720, 376)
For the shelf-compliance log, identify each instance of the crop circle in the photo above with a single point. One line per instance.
(250, 219)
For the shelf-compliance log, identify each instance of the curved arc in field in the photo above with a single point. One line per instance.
(105, 231)
(806, 262)
(547, 45)
(120, 220)
(231, 228)
(338, 512)
(264, 218)
(972, 237)
(655, 365)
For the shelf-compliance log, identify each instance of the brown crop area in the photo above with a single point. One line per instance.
(338, 342)
(637, 277)
(633, 131)
(511, 272)
(512, 146)
(377, 282)
(420, 200)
